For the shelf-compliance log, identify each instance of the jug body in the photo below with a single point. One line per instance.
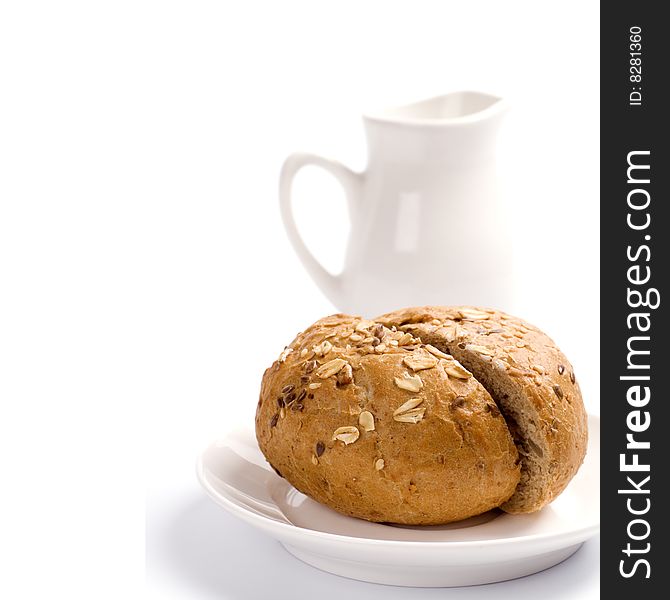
(426, 225)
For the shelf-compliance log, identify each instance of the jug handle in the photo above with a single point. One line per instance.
(331, 285)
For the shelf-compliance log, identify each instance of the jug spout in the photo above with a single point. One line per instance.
(457, 108)
(459, 128)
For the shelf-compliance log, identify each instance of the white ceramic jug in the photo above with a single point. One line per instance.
(425, 226)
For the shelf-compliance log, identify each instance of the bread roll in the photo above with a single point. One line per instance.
(391, 421)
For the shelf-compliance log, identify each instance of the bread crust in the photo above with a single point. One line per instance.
(523, 363)
(457, 460)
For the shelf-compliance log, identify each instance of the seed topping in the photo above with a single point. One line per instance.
(435, 352)
(472, 314)
(330, 368)
(411, 383)
(455, 369)
(367, 421)
(418, 362)
(479, 349)
(347, 434)
(409, 412)
(345, 376)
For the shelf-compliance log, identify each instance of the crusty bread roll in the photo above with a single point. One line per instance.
(390, 420)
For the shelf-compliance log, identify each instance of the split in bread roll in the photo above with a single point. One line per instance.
(530, 379)
(423, 416)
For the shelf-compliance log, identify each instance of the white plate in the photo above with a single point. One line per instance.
(491, 547)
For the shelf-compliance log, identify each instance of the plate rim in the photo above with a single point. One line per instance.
(572, 536)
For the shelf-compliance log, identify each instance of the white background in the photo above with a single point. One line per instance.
(146, 280)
